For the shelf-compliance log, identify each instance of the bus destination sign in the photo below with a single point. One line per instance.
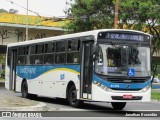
(121, 36)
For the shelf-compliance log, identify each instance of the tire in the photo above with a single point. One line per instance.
(118, 105)
(25, 90)
(72, 97)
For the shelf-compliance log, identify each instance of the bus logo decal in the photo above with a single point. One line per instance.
(62, 76)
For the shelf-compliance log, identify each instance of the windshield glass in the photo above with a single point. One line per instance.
(123, 60)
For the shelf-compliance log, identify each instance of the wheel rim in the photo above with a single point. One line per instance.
(24, 91)
(73, 96)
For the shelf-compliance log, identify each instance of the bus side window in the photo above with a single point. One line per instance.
(60, 58)
(61, 46)
(21, 51)
(73, 57)
(32, 52)
(21, 56)
(73, 45)
(21, 60)
(39, 49)
(49, 59)
(49, 47)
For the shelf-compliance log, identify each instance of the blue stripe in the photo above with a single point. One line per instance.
(121, 85)
(32, 72)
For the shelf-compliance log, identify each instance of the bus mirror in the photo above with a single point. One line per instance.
(95, 50)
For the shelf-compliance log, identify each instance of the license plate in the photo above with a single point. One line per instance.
(127, 96)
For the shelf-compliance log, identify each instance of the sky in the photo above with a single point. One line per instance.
(50, 8)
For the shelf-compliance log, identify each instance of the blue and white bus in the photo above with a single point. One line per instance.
(109, 65)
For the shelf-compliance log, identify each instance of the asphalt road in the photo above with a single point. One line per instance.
(91, 109)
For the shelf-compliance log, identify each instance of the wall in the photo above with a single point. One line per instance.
(11, 34)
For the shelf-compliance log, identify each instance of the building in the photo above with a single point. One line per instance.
(13, 28)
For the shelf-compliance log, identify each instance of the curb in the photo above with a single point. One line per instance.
(40, 107)
(155, 101)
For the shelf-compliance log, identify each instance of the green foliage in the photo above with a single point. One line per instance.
(2, 58)
(91, 14)
(3, 11)
(155, 95)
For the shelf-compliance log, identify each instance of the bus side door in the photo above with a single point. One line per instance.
(86, 69)
(12, 80)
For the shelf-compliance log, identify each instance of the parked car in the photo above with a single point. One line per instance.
(155, 80)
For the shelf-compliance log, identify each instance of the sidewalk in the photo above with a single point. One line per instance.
(13, 103)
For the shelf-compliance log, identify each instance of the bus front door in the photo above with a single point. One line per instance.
(86, 70)
(12, 81)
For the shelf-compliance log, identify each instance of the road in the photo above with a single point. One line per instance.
(94, 109)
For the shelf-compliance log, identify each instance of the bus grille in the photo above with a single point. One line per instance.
(122, 80)
(125, 89)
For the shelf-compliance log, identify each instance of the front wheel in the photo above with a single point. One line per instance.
(72, 97)
(118, 105)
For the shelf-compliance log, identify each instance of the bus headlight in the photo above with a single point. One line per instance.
(107, 89)
(146, 88)
(102, 86)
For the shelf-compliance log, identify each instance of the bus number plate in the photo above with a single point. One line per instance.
(127, 96)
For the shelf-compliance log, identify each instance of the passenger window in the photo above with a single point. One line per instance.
(73, 45)
(49, 59)
(27, 50)
(39, 49)
(32, 50)
(60, 58)
(73, 57)
(32, 59)
(21, 60)
(49, 48)
(21, 51)
(38, 59)
(61, 46)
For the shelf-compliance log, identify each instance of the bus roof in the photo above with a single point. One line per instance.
(80, 34)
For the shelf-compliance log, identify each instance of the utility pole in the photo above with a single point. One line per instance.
(116, 15)
(27, 23)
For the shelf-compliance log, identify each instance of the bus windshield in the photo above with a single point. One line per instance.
(119, 60)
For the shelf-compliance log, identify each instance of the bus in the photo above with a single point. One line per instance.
(105, 65)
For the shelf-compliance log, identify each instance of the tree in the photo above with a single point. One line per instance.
(91, 14)
(3, 11)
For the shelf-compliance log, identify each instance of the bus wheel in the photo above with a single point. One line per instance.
(118, 105)
(72, 97)
(25, 90)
